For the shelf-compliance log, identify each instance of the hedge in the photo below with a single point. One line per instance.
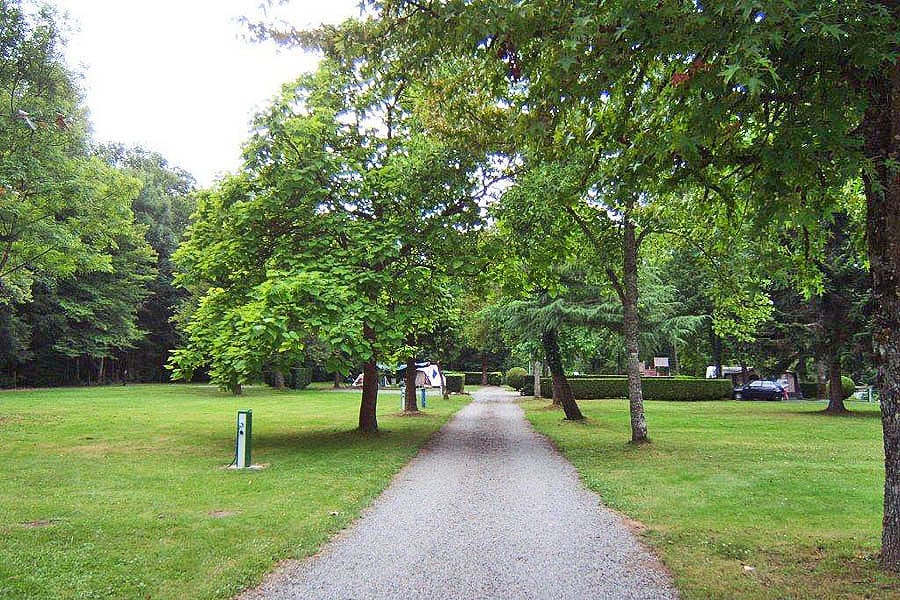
(654, 388)
(515, 377)
(455, 382)
(474, 377)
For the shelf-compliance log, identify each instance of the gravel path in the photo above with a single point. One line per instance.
(488, 509)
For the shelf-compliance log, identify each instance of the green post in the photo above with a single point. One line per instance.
(244, 438)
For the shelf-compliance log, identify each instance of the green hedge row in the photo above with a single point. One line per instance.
(654, 388)
(455, 382)
(474, 377)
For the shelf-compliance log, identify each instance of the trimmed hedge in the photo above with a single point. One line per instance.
(515, 377)
(474, 377)
(654, 388)
(455, 382)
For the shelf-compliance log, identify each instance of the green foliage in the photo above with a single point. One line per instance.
(655, 388)
(474, 377)
(515, 377)
(300, 377)
(336, 232)
(810, 390)
(848, 386)
(455, 382)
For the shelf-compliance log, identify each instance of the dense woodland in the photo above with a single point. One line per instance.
(551, 185)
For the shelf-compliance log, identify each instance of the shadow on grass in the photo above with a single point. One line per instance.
(328, 440)
(822, 414)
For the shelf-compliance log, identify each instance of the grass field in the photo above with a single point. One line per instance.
(120, 492)
(742, 499)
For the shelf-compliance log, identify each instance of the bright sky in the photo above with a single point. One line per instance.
(175, 76)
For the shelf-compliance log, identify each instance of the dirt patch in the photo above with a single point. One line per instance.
(221, 514)
(410, 413)
(40, 523)
(634, 525)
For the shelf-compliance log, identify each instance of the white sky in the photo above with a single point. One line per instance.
(175, 76)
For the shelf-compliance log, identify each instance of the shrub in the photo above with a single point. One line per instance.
(299, 377)
(654, 388)
(847, 385)
(455, 382)
(809, 389)
(474, 377)
(515, 377)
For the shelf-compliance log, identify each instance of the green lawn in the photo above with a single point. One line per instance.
(778, 487)
(120, 492)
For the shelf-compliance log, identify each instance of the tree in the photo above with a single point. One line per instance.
(341, 228)
(163, 206)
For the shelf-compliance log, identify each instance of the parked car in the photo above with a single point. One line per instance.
(759, 390)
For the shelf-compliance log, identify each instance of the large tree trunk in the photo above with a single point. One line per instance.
(368, 421)
(337, 380)
(834, 311)
(484, 377)
(836, 388)
(538, 370)
(881, 129)
(409, 401)
(562, 392)
(632, 331)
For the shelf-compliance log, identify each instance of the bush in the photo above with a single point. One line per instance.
(654, 388)
(847, 386)
(515, 377)
(299, 378)
(474, 377)
(455, 382)
(809, 389)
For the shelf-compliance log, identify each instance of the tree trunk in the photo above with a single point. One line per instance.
(562, 392)
(101, 370)
(368, 421)
(538, 370)
(278, 379)
(445, 391)
(836, 388)
(409, 401)
(632, 332)
(716, 343)
(484, 377)
(676, 368)
(802, 373)
(337, 380)
(821, 377)
(881, 130)
(236, 388)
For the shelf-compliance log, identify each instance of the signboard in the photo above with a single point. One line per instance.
(661, 361)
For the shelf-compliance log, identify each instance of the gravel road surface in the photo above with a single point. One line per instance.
(488, 509)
